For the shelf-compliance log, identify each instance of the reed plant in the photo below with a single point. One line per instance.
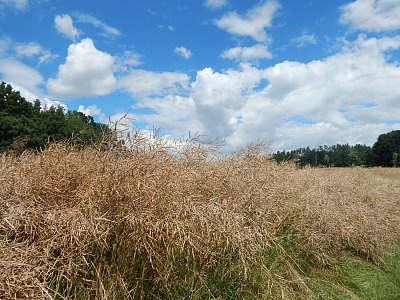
(157, 220)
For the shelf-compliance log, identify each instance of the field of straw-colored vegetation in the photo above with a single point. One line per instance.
(156, 223)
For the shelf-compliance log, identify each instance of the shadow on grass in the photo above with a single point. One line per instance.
(356, 278)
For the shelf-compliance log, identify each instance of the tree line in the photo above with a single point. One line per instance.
(385, 153)
(25, 125)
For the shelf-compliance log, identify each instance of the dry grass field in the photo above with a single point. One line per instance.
(157, 223)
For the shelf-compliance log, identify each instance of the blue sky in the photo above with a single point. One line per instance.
(295, 73)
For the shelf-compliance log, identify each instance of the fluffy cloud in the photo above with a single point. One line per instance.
(18, 73)
(91, 110)
(219, 97)
(255, 52)
(215, 4)
(126, 61)
(182, 51)
(34, 49)
(173, 112)
(107, 30)
(26, 80)
(86, 72)
(28, 50)
(65, 26)
(140, 83)
(348, 97)
(131, 59)
(372, 15)
(18, 4)
(253, 24)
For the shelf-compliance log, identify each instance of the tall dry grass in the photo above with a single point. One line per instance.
(152, 222)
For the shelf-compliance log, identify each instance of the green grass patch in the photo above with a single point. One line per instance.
(356, 278)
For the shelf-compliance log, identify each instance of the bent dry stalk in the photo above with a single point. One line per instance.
(173, 222)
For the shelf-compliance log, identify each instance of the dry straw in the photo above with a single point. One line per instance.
(155, 220)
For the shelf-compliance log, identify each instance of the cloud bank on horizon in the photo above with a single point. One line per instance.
(296, 74)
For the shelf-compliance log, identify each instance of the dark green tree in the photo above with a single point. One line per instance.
(82, 128)
(329, 156)
(386, 149)
(16, 116)
(28, 125)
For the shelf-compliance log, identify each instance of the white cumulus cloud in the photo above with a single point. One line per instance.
(372, 15)
(65, 26)
(253, 23)
(26, 80)
(141, 83)
(86, 72)
(34, 49)
(255, 52)
(182, 51)
(91, 110)
(349, 97)
(29, 49)
(219, 97)
(20, 74)
(173, 112)
(126, 61)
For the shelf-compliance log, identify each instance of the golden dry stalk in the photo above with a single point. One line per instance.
(111, 221)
